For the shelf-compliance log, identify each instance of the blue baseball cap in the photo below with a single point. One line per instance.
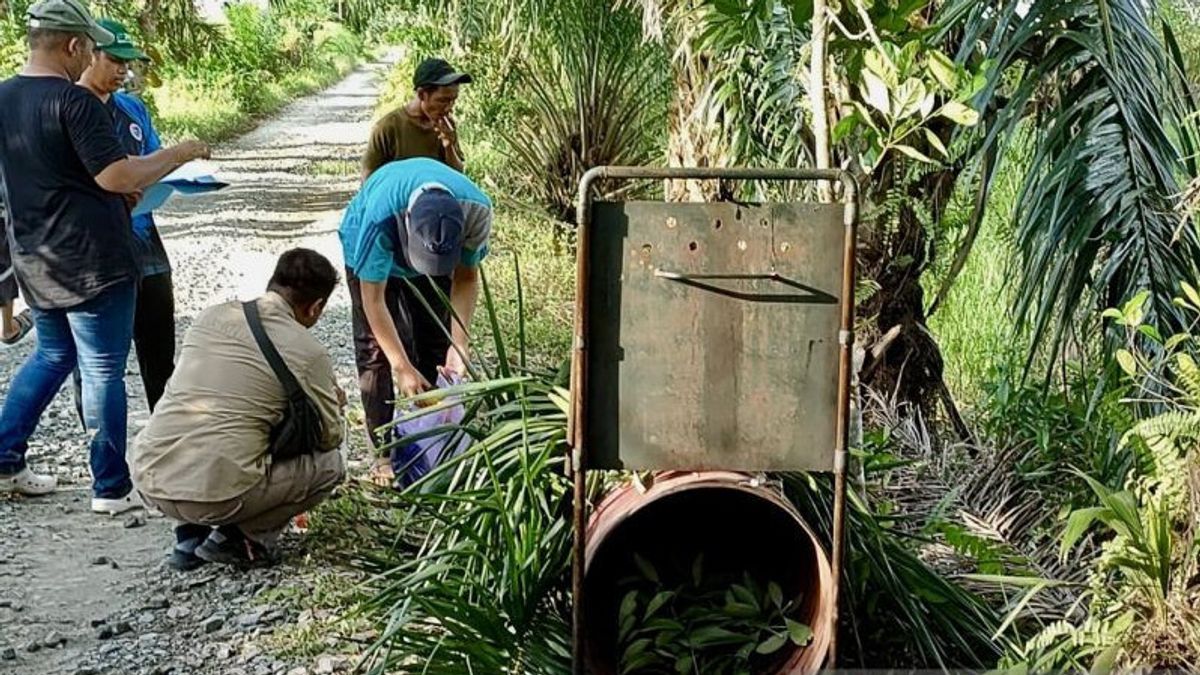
(434, 232)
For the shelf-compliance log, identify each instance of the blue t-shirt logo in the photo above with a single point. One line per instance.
(136, 132)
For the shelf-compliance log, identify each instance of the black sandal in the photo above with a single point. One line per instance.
(24, 322)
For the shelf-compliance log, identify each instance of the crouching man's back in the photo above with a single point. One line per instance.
(203, 458)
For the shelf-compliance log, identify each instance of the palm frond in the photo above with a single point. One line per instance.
(1095, 218)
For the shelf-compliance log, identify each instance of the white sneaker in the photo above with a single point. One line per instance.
(28, 483)
(117, 506)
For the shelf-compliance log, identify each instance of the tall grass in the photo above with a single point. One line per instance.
(975, 326)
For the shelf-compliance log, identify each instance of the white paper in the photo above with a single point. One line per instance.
(195, 177)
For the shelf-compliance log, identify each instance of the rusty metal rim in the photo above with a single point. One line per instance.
(576, 420)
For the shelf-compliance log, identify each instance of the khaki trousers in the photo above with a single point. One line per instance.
(264, 511)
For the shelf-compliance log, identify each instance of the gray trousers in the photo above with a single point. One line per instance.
(264, 511)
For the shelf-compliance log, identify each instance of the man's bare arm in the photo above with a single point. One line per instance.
(133, 174)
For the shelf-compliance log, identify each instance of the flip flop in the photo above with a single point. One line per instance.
(24, 322)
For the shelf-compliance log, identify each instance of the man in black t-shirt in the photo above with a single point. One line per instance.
(66, 180)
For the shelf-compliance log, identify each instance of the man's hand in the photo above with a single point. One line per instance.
(190, 150)
(456, 362)
(341, 396)
(409, 382)
(447, 131)
(132, 199)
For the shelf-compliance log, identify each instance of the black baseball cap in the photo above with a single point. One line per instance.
(437, 73)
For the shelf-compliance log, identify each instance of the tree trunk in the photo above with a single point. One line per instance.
(693, 140)
(894, 251)
(820, 113)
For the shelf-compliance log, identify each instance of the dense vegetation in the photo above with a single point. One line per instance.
(1023, 503)
(210, 80)
(1026, 305)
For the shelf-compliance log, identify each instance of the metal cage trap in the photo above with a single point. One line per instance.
(711, 336)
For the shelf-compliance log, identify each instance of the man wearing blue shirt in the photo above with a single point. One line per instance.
(416, 231)
(154, 316)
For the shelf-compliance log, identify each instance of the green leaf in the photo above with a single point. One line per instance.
(908, 98)
(635, 662)
(800, 634)
(771, 644)
(875, 92)
(878, 65)
(714, 636)
(1176, 340)
(1113, 313)
(1135, 309)
(1106, 660)
(646, 568)
(741, 610)
(1127, 362)
(628, 605)
(657, 603)
(936, 143)
(1078, 524)
(914, 153)
(1192, 295)
(683, 665)
(775, 593)
(943, 70)
(844, 127)
(1150, 332)
(960, 113)
(908, 56)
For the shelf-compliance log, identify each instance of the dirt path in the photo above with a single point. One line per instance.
(81, 593)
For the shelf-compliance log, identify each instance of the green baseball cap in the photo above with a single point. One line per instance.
(70, 16)
(122, 46)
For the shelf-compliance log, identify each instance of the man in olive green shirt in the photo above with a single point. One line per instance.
(423, 127)
(203, 458)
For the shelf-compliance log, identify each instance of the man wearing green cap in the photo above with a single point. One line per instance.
(65, 175)
(424, 127)
(154, 316)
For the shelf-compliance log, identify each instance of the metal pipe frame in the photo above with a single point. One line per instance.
(577, 421)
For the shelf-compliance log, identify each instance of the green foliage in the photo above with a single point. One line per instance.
(1141, 601)
(902, 93)
(594, 94)
(1060, 431)
(704, 623)
(1094, 219)
(896, 609)
(265, 59)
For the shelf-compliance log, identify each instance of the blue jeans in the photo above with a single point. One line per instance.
(97, 336)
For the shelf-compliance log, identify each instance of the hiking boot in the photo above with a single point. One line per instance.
(27, 482)
(117, 506)
(229, 546)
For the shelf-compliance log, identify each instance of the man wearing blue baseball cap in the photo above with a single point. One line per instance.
(416, 232)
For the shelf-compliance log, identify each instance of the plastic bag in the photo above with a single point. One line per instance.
(413, 460)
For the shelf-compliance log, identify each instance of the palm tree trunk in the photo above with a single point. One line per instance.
(817, 86)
